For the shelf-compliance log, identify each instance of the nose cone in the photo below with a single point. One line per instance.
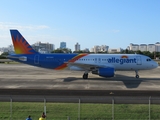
(154, 64)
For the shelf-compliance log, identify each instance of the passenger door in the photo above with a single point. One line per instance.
(36, 59)
(139, 61)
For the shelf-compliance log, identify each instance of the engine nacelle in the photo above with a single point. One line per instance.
(106, 72)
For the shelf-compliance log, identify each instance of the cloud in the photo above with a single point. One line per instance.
(33, 37)
(7, 25)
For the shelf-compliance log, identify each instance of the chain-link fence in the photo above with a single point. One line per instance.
(61, 108)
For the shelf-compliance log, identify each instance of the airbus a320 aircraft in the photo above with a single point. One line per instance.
(103, 65)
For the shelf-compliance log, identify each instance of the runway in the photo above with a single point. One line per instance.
(20, 76)
(21, 81)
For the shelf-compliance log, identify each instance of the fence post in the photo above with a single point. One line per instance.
(10, 108)
(112, 108)
(149, 108)
(45, 106)
(79, 109)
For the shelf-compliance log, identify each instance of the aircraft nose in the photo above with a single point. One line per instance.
(155, 65)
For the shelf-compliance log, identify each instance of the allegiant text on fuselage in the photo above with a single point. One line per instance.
(121, 60)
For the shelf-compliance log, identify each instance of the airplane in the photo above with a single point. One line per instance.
(103, 65)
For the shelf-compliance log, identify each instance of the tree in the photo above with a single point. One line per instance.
(139, 52)
(4, 55)
(80, 51)
(64, 50)
(57, 51)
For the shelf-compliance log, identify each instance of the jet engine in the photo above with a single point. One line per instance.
(104, 72)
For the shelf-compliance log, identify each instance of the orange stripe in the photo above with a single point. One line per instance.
(77, 57)
(63, 66)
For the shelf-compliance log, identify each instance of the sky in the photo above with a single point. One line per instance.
(115, 23)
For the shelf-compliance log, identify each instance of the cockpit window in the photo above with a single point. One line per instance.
(148, 59)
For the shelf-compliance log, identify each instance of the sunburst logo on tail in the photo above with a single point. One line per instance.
(21, 46)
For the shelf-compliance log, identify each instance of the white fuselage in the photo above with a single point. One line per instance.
(119, 61)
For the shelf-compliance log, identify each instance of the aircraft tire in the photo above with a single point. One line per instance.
(137, 76)
(85, 76)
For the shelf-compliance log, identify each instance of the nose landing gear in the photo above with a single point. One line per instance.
(85, 75)
(137, 76)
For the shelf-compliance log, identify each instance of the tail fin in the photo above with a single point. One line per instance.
(21, 46)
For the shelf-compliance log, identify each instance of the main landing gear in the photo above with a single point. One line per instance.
(85, 75)
(137, 76)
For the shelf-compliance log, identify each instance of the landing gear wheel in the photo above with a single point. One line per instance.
(85, 76)
(137, 76)
(136, 71)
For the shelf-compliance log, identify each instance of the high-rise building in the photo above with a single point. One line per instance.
(102, 48)
(62, 45)
(96, 48)
(143, 47)
(43, 47)
(115, 50)
(134, 47)
(151, 48)
(92, 50)
(77, 47)
(157, 46)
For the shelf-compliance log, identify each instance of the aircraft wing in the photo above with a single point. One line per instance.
(87, 66)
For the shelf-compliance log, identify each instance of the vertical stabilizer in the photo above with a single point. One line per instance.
(21, 46)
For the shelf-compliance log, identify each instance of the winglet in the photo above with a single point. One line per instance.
(21, 46)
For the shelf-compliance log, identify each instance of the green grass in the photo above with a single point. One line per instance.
(12, 62)
(60, 111)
